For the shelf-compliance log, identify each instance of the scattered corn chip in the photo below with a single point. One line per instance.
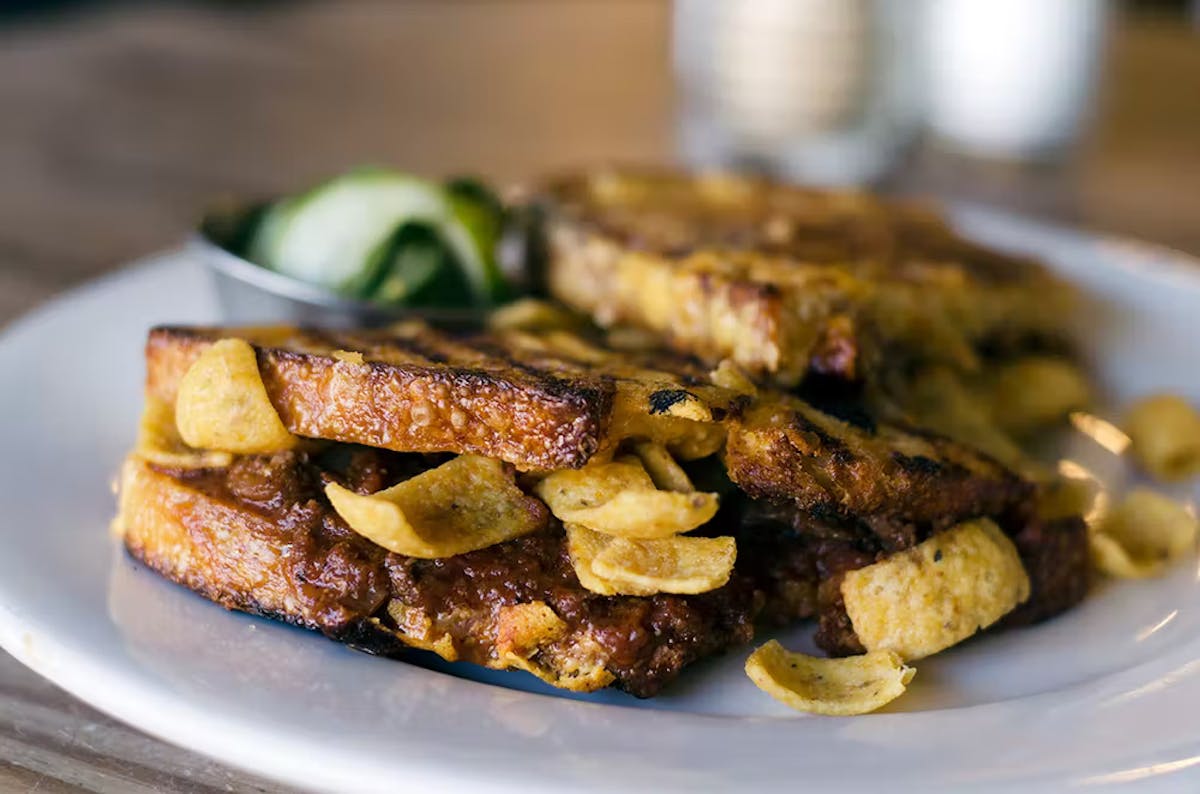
(1142, 535)
(159, 442)
(646, 515)
(662, 468)
(927, 598)
(649, 404)
(1033, 392)
(528, 638)
(468, 503)
(834, 687)
(1062, 497)
(522, 628)
(729, 375)
(1165, 436)
(671, 565)
(619, 498)
(531, 314)
(583, 545)
(574, 489)
(612, 566)
(416, 629)
(688, 439)
(350, 357)
(223, 404)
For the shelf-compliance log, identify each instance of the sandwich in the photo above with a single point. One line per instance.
(787, 281)
(821, 292)
(595, 509)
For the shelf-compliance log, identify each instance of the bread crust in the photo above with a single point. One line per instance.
(784, 280)
(399, 399)
(538, 401)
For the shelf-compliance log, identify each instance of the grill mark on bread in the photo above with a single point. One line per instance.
(785, 280)
(416, 346)
(787, 450)
(528, 417)
(919, 464)
(662, 400)
(856, 496)
(538, 402)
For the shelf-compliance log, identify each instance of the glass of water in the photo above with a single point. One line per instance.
(817, 91)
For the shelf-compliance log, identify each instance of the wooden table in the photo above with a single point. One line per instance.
(119, 124)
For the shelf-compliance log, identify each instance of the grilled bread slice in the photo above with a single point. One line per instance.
(828, 496)
(784, 449)
(258, 536)
(856, 494)
(784, 280)
(540, 401)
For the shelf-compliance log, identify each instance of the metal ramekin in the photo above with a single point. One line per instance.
(249, 294)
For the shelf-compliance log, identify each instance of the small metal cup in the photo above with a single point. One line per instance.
(249, 294)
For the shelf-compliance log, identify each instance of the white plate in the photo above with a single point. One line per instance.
(1107, 694)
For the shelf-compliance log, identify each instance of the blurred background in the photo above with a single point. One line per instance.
(121, 120)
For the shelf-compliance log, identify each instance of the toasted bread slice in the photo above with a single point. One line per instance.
(856, 494)
(539, 401)
(785, 280)
(784, 449)
(1054, 554)
(258, 536)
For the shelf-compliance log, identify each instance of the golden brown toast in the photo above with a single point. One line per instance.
(855, 494)
(826, 497)
(539, 401)
(785, 280)
(785, 449)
